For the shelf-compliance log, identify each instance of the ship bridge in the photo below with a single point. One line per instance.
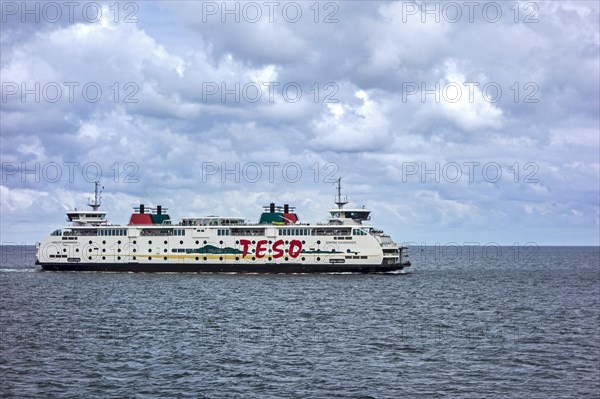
(86, 218)
(89, 218)
(349, 215)
(341, 215)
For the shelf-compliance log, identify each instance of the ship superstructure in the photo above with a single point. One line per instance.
(278, 243)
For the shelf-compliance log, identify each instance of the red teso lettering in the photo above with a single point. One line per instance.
(277, 250)
(260, 248)
(244, 244)
(295, 248)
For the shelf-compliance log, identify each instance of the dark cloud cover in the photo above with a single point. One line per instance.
(158, 126)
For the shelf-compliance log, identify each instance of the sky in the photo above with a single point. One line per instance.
(453, 122)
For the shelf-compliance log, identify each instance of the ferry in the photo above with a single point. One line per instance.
(278, 243)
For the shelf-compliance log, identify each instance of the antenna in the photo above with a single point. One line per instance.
(339, 201)
(95, 204)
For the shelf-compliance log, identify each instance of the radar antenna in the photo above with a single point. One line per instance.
(95, 204)
(339, 201)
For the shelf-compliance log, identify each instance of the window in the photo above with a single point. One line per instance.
(248, 232)
(358, 215)
(330, 231)
(294, 232)
(105, 232)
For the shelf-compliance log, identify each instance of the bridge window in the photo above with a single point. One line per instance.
(359, 215)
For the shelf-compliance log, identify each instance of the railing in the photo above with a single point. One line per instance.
(385, 239)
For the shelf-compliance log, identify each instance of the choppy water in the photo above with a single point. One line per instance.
(469, 324)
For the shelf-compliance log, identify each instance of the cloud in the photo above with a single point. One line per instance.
(358, 117)
(352, 126)
(18, 199)
(466, 103)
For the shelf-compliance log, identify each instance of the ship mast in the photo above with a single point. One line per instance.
(339, 201)
(95, 204)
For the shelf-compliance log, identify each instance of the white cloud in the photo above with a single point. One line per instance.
(353, 127)
(18, 200)
(465, 104)
(396, 42)
(369, 134)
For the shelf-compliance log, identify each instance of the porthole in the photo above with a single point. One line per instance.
(286, 242)
(220, 258)
(119, 250)
(165, 242)
(197, 242)
(104, 258)
(165, 258)
(149, 242)
(90, 241)
(76, 249)
(181, 242)
(165, 250)
(118, 258)
(149, 257)
(149, 249)
(103, 249)
(204, 258)
(270, 258)
(270, 242)
(237, 258)
(90, 250)
(237, 241)
(303, 259)
(103, 242)
(253, 242)
(134, 258)
(253, 258)
(318, 241)
(270, 250)
(205, 242)
(134, 242)
(220, 241)
(134, 250)
(286, 258)
(64, 249)
(119, 242)
(303, 242)
(197, 258)
(318, 258)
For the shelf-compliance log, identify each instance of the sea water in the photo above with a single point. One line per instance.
(461, 322)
